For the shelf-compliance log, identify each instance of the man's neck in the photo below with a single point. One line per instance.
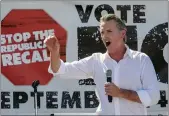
(119, 53)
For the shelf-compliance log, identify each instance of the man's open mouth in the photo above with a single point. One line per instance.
(108, 43)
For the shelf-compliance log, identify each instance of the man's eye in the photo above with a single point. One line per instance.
(109, 31)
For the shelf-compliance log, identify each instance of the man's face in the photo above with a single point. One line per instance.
(111, 35)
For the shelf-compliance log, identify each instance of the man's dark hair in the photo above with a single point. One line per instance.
(120, 24)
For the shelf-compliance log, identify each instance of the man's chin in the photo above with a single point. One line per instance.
(110, 49)
(109, 46)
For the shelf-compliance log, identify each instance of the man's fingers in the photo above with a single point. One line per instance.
(56, 39)
(46, 41)
(50, 40)
(107, 89)
(107, 93)
(52, 43)
(51, 37)
(107, 84)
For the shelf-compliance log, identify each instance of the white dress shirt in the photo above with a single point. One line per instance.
(134, 72)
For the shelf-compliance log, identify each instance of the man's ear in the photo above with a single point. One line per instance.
(123, 33)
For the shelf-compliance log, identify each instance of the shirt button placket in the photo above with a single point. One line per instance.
(116, 81)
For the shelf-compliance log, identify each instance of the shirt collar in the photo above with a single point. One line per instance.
(128, 52)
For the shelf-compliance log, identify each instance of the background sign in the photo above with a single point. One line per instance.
(24, 57)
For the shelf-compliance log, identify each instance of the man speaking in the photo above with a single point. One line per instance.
(133, 83)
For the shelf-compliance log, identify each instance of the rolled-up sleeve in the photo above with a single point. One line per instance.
(60, 71)
(149, 94)
(77, 69)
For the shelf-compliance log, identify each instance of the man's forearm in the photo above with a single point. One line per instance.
(129, 95)
(55, 61)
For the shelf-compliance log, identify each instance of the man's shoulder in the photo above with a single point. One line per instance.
(138, 54)
(98, 55)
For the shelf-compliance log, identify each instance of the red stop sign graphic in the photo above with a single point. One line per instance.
(23, 54)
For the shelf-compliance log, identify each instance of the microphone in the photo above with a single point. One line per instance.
(109, 79)
(35, 85)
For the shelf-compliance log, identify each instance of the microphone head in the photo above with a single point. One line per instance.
(108, 73)
(35, 83)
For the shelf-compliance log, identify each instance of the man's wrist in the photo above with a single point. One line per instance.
(121, 93)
